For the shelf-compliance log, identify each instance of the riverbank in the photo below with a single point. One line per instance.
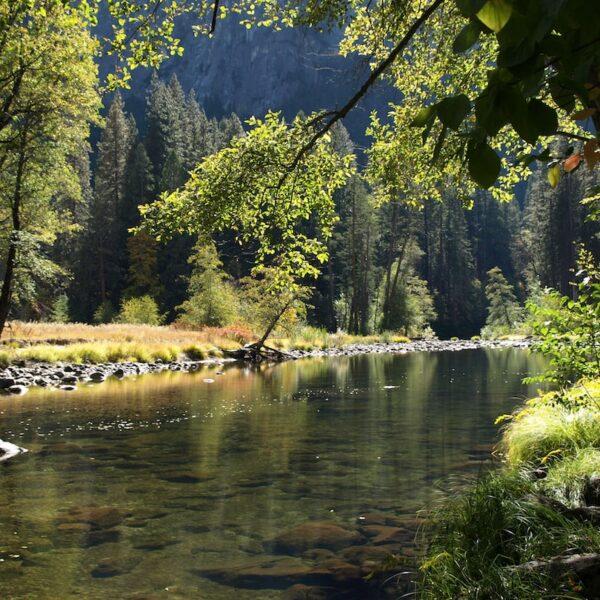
(532, 528)
(30, 370)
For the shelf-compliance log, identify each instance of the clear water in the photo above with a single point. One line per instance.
(135, 488)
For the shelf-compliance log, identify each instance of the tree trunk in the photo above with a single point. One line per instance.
(11, 259)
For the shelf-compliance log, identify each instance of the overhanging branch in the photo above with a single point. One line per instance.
(337, 115)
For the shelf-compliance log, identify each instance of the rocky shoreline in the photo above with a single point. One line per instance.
(17, 378)
(413, 346)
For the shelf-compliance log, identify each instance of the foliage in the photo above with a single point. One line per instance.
(281, 312)
(212, 299)
(43, 125)
(240, 189)
(569, 330)
(60, 309)
(142, 310)
(409, 307)
(504, 312)
(244, 189)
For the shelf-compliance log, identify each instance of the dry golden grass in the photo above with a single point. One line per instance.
(119, 342)
(19, 332)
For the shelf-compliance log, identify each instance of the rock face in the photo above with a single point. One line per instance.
(318, 534)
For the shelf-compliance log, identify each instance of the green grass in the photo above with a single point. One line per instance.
(553, 426)
(567, 478)
(477, 539)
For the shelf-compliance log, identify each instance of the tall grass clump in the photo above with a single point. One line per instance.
(567, 479)
(477, 540)
(554, 425)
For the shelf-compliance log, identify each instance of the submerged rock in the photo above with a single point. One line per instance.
(98, 517)
(17, 390)
(316, 534)
(107, 567)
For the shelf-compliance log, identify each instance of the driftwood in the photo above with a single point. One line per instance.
(8, 450)
(257, 353)
(586, 567)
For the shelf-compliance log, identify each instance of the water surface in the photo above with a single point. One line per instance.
(175, 485)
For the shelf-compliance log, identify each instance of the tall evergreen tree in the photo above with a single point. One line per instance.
(503, 310)
(109, 188)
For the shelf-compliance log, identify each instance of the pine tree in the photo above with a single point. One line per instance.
(112, 154)
(211, 299)
(142, 277)
(450, 269)
(200, 140)
(503, 309)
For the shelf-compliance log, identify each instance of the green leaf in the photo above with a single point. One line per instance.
(515, 108)
(495, 14)
(467, 37)
(487, 112)
(544, 118)
(484, 164)
(554, 175)
(453, 110)
(424, 116)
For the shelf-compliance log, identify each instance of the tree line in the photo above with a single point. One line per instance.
(390, 265)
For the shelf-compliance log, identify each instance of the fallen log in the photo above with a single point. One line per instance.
(8, 450)
(586, 567)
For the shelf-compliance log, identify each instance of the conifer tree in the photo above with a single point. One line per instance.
(450, 269)
(503, 309)
(109, 189)
(211, 299)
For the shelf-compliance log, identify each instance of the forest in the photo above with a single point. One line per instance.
(388, 263)
(299, 299)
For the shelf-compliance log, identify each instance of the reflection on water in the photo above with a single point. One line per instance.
(175, 487)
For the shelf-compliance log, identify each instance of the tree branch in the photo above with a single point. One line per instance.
(213, 23)
(373, 77)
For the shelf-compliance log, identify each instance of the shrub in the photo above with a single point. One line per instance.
(105, 313)
(212, 298)
(568, 330)
(141, 311)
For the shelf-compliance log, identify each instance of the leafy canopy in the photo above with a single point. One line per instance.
(243, 189)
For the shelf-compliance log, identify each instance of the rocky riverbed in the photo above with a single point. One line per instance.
(19, 377)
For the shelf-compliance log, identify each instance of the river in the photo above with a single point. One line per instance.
(236, 483)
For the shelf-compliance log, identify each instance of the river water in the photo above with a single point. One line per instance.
(181, 485)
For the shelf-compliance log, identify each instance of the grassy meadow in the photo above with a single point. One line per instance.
(117, 342)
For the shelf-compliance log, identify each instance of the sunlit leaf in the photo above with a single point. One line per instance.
(495, 14)
(554, 175)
